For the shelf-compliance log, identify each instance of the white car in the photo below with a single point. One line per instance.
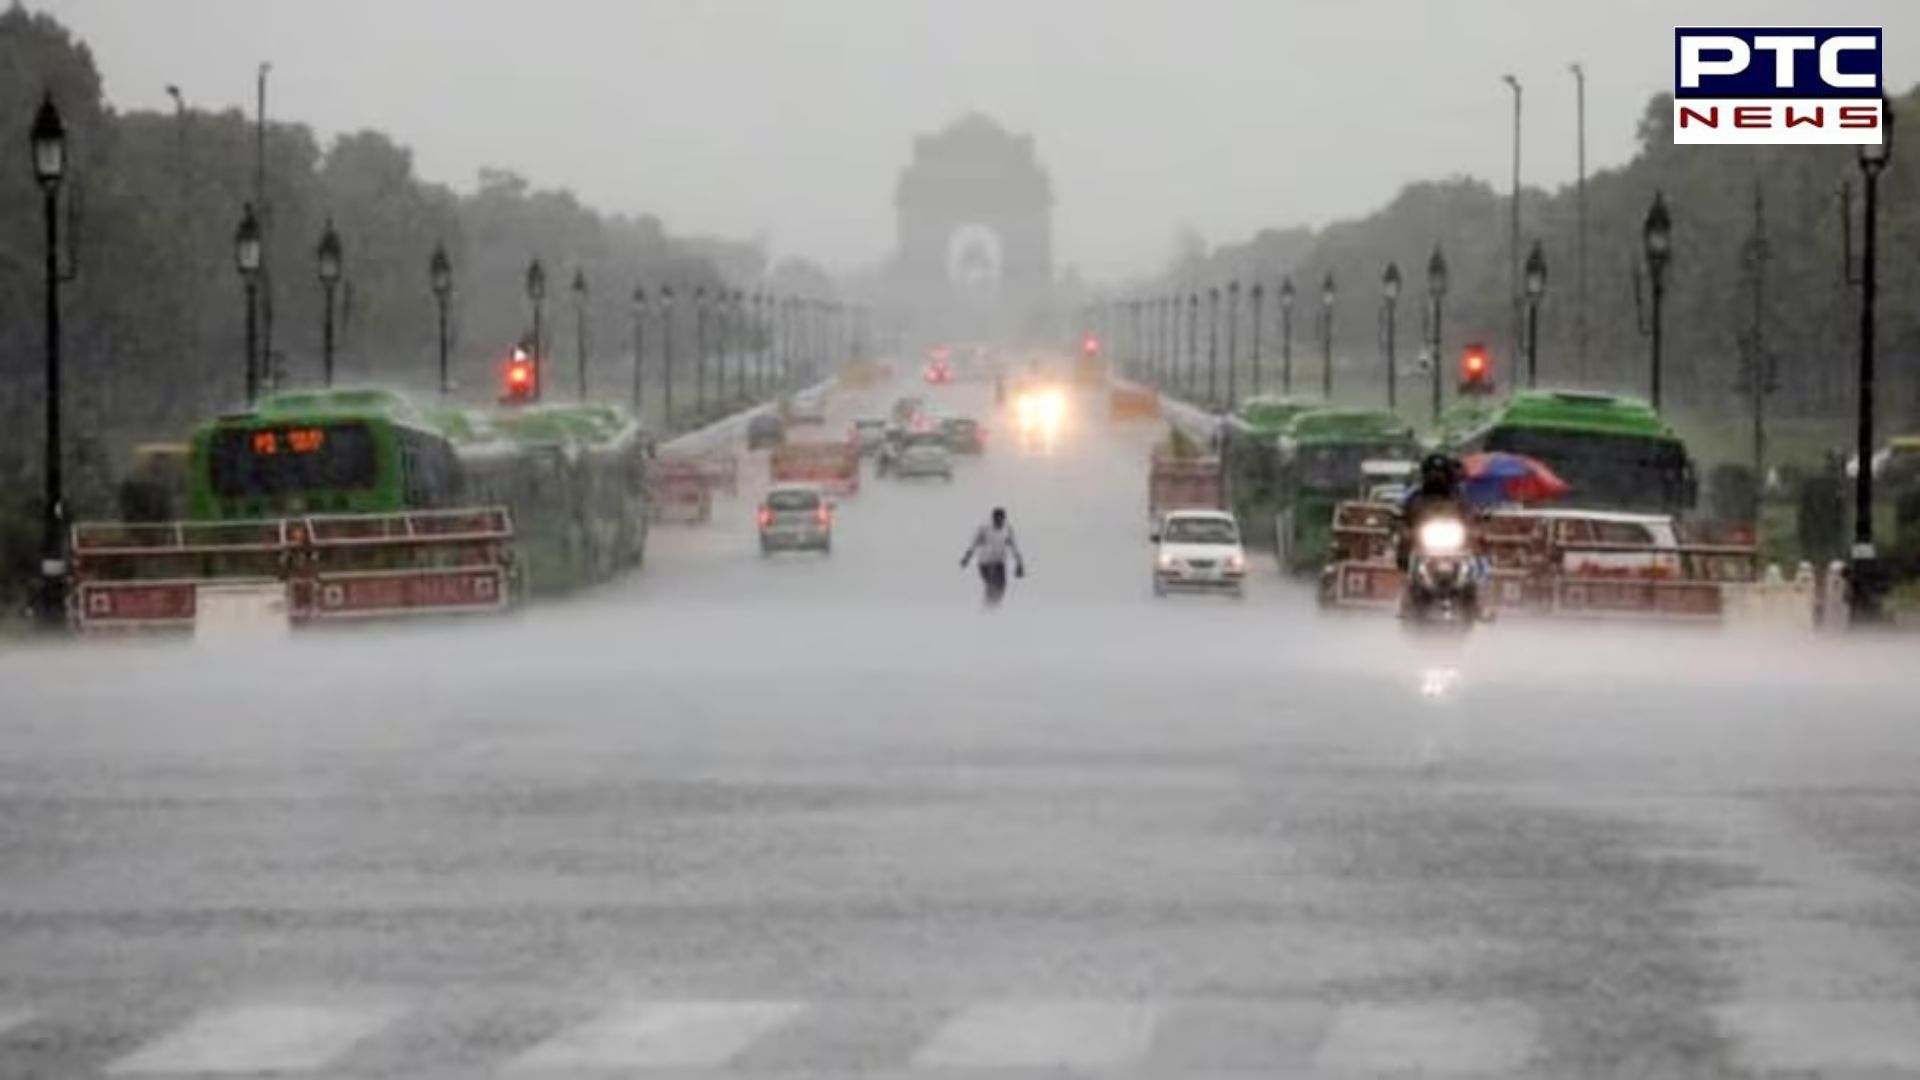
(1198, 550)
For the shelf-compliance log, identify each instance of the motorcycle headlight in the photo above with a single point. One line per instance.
(1443, 536)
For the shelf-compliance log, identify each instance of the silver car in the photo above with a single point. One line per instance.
(796, 517)
(924, 455)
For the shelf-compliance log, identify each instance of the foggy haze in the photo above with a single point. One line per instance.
(791, 121)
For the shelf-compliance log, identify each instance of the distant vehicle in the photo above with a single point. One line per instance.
(807, 407)
(764, 430)
(796, 517)
(907, 409)
(923, 454)
(1198, 550)
(1178, 480)
(963, 434)
(939, 372)
(870, 432)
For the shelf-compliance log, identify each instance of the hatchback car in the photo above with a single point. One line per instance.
(796, 517)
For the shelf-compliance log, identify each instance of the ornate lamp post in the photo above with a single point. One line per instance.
(1233, 343)
(666, 357)
(1657, 236)
(328, 256)
(1536, 285)
(246, 258)
(1326, 337)
(639, 348)
(537, 296)
(1436, 298)
(1286, 335)
(440, 276)
(1390, 302)
(1863, 574)
(48, 139)
(580, 327)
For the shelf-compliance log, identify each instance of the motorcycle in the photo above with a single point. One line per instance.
(1443, 576)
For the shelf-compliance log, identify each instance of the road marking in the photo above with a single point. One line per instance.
(257, 1039)
(1494, 1037)
(1042, 1034)
(1818, 1036)
(650, 1034)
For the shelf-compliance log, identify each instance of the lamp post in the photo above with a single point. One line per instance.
(666, 358)
(537, 296)
(1536, 285)
(739, 346)
(1390, 302)
(1258, 293)
(1863, 575)
(49, 147)
(440, 276)
(1326, 338)
(328, 255)
(1580, 213)
(1286, 335)
(246, 258)
(1656, 235)
(580, 326)
(1193, 342)
(1213, 345)
(700, 353)
(1513, 220)
(1436, 296)
(639, 348)
(1233, 343)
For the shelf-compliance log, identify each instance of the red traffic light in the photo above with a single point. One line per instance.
(1476, 371)
(522, 377)
(1090, 345)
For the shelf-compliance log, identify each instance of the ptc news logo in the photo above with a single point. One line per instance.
(1775, 85)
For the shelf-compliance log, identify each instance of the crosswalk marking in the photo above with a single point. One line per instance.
(1042, 1034)
(647, 1034)
(256, 1039)
(1823, 1035)
(1428, 1038)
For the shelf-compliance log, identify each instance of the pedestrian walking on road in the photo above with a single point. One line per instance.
(991, 545)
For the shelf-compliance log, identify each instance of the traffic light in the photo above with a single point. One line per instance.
(1090, 346)
(522, 378)
(1476, 371)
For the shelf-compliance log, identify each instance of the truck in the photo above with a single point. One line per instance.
(835, 466)
(1181, 477)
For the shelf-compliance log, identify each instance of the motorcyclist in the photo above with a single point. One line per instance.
(992, 543)
(1438, 494)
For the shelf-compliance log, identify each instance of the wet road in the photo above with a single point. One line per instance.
(830, 818)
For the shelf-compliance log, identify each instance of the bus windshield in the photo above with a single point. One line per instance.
(281, 459)
(1616, 472)
(1335, 467)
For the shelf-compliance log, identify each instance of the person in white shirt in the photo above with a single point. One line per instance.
(992, 543)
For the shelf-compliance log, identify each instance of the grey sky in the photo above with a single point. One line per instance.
(791, 118)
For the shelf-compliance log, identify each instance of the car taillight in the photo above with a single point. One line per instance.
(766, 516)
(821, 515)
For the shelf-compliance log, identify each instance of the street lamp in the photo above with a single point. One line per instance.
(537, 294)
(666, 358)
(700, 353)
(1390, 296)
(1513, 220)
(1657, 236)
(1286, 334)
(1863, 575)
(328, 254)
(1258, 293)
(1233, 343)
(739, 336)
(1536, 285)
(246, 257)
(1193, 341)
(1326, 338)
(1213, 345)
(440, 274)
(1436, 294)
(580, 343)
(48, 140)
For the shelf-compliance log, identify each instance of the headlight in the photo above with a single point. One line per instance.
(1443, 536)
(1236, 563)
(1165, 562)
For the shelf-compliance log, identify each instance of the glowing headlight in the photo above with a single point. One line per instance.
(1443, 536)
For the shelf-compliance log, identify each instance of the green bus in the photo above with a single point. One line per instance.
(1318, 467)
(1250, 442)
(574, 478)
(1614, 452)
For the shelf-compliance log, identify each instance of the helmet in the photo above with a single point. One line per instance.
(1438, 470)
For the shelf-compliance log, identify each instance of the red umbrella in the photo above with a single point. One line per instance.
(1503, 477)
